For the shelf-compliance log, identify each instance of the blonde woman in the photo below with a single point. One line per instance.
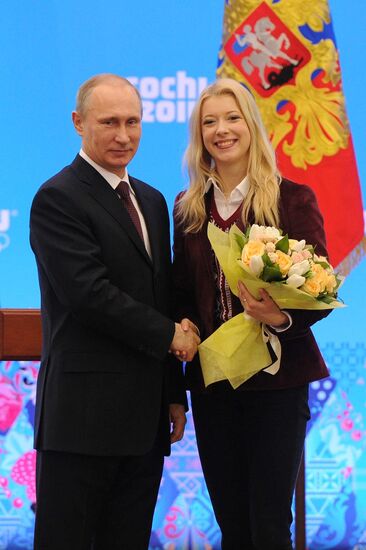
(250, 440)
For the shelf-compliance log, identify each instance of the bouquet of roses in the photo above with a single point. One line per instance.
(292, 274)
(272, 257)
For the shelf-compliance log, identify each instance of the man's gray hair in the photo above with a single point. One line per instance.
(88, 86)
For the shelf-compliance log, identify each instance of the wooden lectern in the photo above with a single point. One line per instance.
(20, 334)
(21, 340)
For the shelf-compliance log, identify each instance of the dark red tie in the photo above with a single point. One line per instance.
(123, 192)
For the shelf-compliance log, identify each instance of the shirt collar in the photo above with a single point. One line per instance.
(111, 178)
(242, 188)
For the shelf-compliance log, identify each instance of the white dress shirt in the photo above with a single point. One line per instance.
(113, 181)
(226, 206)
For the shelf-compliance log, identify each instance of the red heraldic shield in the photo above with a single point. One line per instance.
(266, 51)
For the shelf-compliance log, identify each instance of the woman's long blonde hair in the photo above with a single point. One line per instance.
(264, 177)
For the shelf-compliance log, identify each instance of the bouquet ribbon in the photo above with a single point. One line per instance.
(273, 341)
(238, 349)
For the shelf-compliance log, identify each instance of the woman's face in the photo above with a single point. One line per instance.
(225, 133)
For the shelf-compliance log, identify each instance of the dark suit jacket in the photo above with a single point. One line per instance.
(105, 308)
(193, 275)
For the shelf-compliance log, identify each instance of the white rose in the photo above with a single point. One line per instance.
(262, 233)
(255, 232)
(256, 265)
(295, 280)
(300, 268)
(270, 247)
(271, 234)
(297, 246)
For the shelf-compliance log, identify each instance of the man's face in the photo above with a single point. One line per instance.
(110, 126)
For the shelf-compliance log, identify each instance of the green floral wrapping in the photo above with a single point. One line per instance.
(238, 349)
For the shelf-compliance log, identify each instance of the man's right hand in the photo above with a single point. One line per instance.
(184, 344)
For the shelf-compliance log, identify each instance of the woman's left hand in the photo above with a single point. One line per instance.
(264, 310)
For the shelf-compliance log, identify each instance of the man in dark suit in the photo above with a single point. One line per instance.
(106, 390)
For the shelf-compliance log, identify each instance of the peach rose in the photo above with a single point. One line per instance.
(331, 284)
(300, 256)
(284, 262)
(320, 275)
(252, 248)
(306, 254)
(296, 257)
(312, 287)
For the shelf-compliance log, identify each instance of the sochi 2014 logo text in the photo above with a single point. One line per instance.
(168, 99)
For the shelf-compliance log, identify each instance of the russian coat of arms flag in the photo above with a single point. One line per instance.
(285, 53)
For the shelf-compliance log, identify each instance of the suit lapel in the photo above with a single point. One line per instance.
(103, 193)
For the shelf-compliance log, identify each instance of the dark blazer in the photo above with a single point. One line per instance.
(105, 317)
(195, 292)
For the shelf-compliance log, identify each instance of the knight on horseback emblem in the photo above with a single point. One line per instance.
(265, 51)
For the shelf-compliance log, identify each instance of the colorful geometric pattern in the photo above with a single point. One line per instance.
(17, 457)
(335, 465)
(336, 458)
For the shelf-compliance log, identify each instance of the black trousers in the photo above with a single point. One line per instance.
(96, 503)
(250, 444)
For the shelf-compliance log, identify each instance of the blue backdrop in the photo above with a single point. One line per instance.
(169, 49)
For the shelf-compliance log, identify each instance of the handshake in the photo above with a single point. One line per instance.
(185, 341)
